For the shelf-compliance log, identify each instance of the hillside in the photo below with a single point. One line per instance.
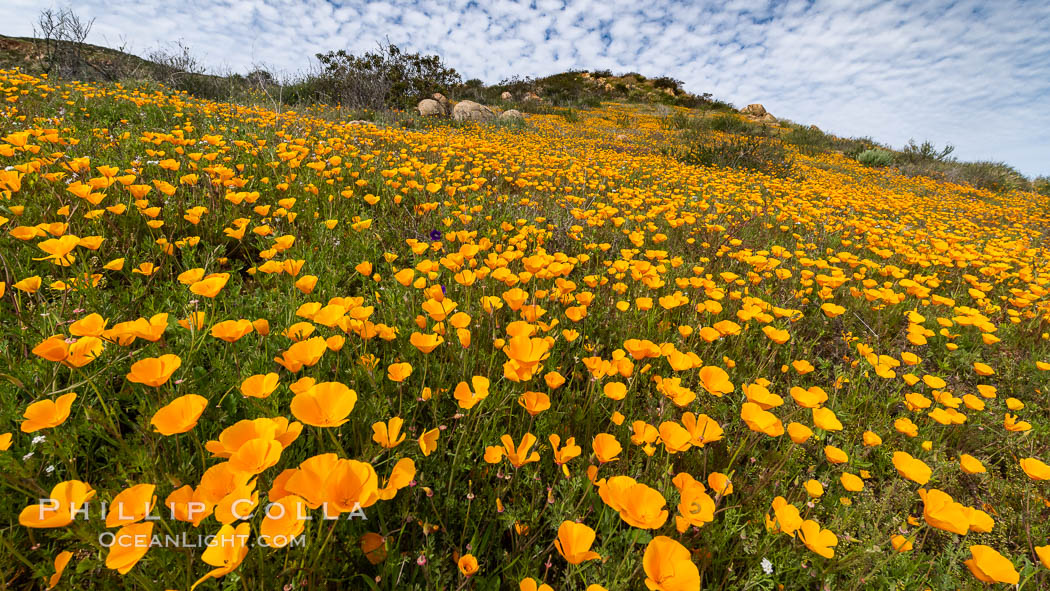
(620, 345)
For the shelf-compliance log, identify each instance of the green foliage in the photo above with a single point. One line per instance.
(809, 139)
(875, 158)
(993, 176)
(759, 154)
(923, 153)
(680, 120)
(667, 82)
(387, 77)
(734, 124)
(570, 115)
(1041, 185)
(926, 160)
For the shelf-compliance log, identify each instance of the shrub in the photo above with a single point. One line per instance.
(679, 120)
(570, 115)
(729, 123)
(925, 152)
(993, 176)
(875, 158)
(667, 82)
(389, 77)
(749, 152)
(852, 147)
(809, 140)
(1041, 185)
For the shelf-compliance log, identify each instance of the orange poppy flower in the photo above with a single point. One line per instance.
(232, 330)
(534, 402)
(225, 551)
(990, 566)
(46, 414)
(284, 520)
(668, 566)
(260, 385)
(574, 542)
(398, 372)
(428, 441)
(130, 544)
(388, 434)
(606, 447)
(131, 505)
(468, 565)
(326, 404)
(818, 540)
(468, 398)
(154, 371)
(59, 508)
(760, 420)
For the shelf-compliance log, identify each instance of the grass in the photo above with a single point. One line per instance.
(613, 265)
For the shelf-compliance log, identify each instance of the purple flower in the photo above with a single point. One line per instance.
(435, 235)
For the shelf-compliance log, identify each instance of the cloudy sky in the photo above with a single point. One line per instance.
(971, 73)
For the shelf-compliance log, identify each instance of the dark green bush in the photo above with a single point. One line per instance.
(993, 176)
(852, 147)
(389, 77)
(875, 158)
(748, 152)
(729, 123)
(667, 82)
(925, 152)
(809, 140)
(1041, 185)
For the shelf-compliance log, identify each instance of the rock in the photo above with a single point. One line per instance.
(532, 96)
(431, 108)
(471, 111)
(767, 118)
(437, 96)
(608, 87)
(511, 115)
(669, 91)
(754, 109)
(506, 96)
(620, 137)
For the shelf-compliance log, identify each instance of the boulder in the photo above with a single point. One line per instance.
(767, 118)
(437, 96)
(506, 96)
(471, 111)
(511, 115)
(532, 96)
(754, 109)
(431, 108)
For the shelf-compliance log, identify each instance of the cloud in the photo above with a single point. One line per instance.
(969, 73)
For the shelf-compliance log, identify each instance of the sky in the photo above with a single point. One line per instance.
(971, 73)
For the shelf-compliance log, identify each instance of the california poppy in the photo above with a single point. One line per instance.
(154, 371)
(59, 508)
(46, 414)
(326, 404)
(574, 542)
(668, 566)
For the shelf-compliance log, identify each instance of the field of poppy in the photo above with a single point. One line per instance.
(248, 349)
